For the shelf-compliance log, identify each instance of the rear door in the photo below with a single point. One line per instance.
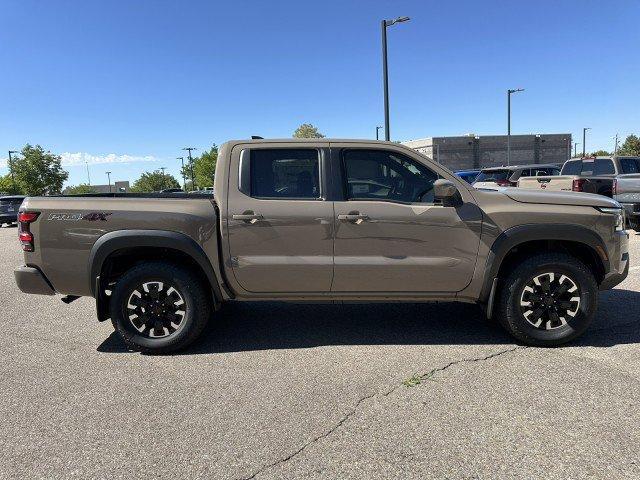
(279, 221)
(390, 236)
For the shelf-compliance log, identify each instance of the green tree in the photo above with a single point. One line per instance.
(154, 182)
(600, 153)
(80, 189)
(8, 186)
(204, 168)
(306, 130)
(631, 146)
(38, 172)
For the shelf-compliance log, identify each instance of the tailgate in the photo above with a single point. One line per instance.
(555, 183)
(627, 189)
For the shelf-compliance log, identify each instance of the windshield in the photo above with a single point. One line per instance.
(493, 175)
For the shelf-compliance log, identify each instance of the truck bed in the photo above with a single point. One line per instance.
(69, 227)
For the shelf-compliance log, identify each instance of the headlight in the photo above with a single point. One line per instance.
(619, 214)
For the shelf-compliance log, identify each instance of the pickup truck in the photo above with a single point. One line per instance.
(626, 190)
(591, 175)
(319, 220)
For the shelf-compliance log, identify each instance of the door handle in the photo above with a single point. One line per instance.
(248, 217)
(353, 217)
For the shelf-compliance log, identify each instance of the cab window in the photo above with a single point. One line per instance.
(285, 173)
(386, 175)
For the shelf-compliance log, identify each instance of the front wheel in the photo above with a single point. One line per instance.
(159, 307)
(548, 300)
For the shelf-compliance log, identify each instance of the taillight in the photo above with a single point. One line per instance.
(614, 187)
(577, 184)
(25, 220)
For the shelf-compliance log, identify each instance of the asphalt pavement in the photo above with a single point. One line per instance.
(378, 391)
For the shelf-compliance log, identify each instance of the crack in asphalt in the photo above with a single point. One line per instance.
(431, 373)
(354, 409)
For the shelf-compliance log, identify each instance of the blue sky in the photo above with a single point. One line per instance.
(126, 84)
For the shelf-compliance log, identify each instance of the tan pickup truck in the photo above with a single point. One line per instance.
(591, 175)
(325, 220)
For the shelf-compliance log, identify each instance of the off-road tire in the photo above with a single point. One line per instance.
(197, 307)
(511, 316)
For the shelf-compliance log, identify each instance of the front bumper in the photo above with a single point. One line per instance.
(32, 280)
(619, 262)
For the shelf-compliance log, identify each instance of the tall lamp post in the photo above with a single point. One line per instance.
(575, 149)
(615, 145)
(377, 130)
(164, 178)
(193, 180)
(509, 92)
(184, 178)
(109, 179)
(13, 178)
(385, 72)
(584, 141)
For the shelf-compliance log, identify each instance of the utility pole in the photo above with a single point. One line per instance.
(13, 178)
(509, 92)
(88, 177)
(193, 179)
(184, 178)
(584, 141)
(385, 71)
(615, 146)
(575, 149)
(109, 177)
(377, 130)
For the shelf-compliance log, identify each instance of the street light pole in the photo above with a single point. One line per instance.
(385, 71)
(13, 178)
(88, 177)
(377, 130)
(109, 177)
(184, 178)
(509, 92)
(575, 149)
(193, 180)
(615, 146)
(584, 141)
(164, 178)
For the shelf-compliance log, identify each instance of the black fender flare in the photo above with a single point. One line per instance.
(520, 234)
(122, 239)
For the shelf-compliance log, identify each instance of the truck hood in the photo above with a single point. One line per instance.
(559, 198)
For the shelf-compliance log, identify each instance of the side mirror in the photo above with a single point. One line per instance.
(446, 192)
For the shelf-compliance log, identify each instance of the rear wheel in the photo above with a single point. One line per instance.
(159, 307)
(548, 300)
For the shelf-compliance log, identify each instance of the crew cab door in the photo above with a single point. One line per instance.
(279, 223)
(390, 236)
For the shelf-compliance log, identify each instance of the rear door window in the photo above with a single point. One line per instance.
(285, 173)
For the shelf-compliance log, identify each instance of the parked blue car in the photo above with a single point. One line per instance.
(468, 176)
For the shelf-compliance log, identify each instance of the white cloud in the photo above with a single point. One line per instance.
(80, 158)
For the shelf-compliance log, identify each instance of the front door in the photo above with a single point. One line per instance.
(390, 235)
(279, 224)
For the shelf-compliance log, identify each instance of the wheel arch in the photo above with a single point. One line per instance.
(133, 246)
(516, 242)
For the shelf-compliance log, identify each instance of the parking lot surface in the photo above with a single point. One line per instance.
(317, 391)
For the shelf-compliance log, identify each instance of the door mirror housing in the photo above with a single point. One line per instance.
(446, 192)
